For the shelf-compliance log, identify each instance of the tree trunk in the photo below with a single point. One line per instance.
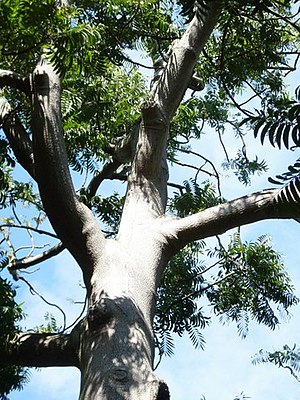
(116, 341)
(116, 353)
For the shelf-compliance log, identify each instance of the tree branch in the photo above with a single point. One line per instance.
(72, 220)
(107, 172)
(38, 258)
(219, 219)
(14, 80)
(179, 69)
(27, 227)
(40, 350)
(216, 174)
(17, 137)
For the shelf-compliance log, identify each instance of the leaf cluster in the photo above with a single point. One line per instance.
(12, 377)
(244, 168)
(291, 175)
(195, 198)
(189, 8)
(25, 25)
(13, 191)
(288, 357)
(255, 282)
(108, 209)
(249, 53)
(50, 325)
(177, 310)
(279, 122)
(98, 113)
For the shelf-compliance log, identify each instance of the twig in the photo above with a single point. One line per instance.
(193, 167)
(79, 316)
(223, 146)
(209, 162)
(197, 292)
(236, 104)
(33, 291)
(40, 231)
(291, 371)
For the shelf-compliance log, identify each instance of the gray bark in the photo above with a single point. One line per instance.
(72, 220)
(41, 350)
(219, 219)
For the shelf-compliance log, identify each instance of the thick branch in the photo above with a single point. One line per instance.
(17, 137)
(72, 221)
(178, 72)
(14, 80)
(219, 219)
(40, 350)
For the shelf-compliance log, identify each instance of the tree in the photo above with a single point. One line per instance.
(74, 98)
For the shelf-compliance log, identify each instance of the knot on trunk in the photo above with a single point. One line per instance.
(99, 314)
(119, 376)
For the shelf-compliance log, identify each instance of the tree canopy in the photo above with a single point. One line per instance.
(214, 67)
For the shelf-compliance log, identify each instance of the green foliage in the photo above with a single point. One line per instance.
(244, 168)
(50, 326)
(13, 191)
(3, 259)
(6, 162)
(252, 280)
(292, 174)
(83, 34)
(108, 209)
(177, 310)
(288, 358)
(98, 112)
(25, 26)
(188, 119)
(288, 196)
(11, 312)
(5, 154)
(279, 121)
(248, 53)
(189, 8)
(4, 185)
(250, 284)
(97, 32)
(195, 198)
(195, 113)
(12, 377)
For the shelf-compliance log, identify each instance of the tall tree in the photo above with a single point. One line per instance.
(72, 97)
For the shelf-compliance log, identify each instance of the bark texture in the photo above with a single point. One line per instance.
(41, 350)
